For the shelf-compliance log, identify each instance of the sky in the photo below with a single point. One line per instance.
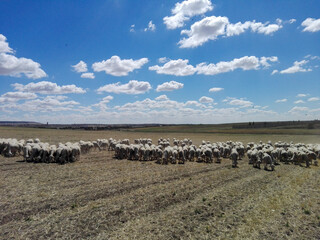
(191, 61)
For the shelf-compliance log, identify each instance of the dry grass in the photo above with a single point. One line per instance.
(103, 198)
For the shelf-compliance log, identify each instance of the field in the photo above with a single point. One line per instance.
(103, 198)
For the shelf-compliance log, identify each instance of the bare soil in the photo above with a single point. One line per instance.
(103, 198)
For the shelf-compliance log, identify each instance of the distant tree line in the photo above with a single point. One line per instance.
(281, 124)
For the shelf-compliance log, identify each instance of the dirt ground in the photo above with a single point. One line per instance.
(103, 198)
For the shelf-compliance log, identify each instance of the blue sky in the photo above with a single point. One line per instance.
(192, 61)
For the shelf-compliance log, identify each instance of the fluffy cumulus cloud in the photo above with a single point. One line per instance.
(281, 100)
(311, 25)
(298, 102)
(205, 99)
(244, 63)
(132, 87)
(88, 75)
(12, 66)
(210, 28)
(164, 110)
(242, 103)
(202, 31)
(178, 67)
(102, 105)
(19, 95)
(162, 98)
(80, 67)
(16, 96)
(182, 67)
(151, 27)
(264, 61)
(48, 104)
(4, 45)
(216, 89)
(169, 86)
(60, 109)
(297, 67)
(117, 67)
(45, 87)
(184, 10)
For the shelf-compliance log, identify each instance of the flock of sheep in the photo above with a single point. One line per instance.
(180, 151)
(33, 150)
(184, 150)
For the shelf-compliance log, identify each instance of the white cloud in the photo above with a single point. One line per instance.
(292, 20)
(19, 95)
(132, 87)
(194, 104)
(205, 99)
(274, 72)
(102, 105)
(148, 104)
(88, 75)
(244, 63)
(15, 67)
(151, 27)
(302, 95)
(12, 66)
(4, 45)
(264, 61)
(48, 104)
(45, 87)
(210, 28)
(163, 60)
(281, 100)
(298, 102)
(298, 109)
(311, 25)
(80, 67)
(297, 67)
(169, 86)
(181, 67)
(265, 28)
(313, 99)
(162, 98)
(16, 96)
(202, 31)
(216, 89)
(117, 67)
(242, 103)
(312, 57)
(184, 10)
(178, 67)
(132, 28)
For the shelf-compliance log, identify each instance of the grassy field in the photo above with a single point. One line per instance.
(227, 129)
(103, 198)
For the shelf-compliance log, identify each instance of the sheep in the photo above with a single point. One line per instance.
(234, 157)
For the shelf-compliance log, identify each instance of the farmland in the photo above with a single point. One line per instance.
(100, 197)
